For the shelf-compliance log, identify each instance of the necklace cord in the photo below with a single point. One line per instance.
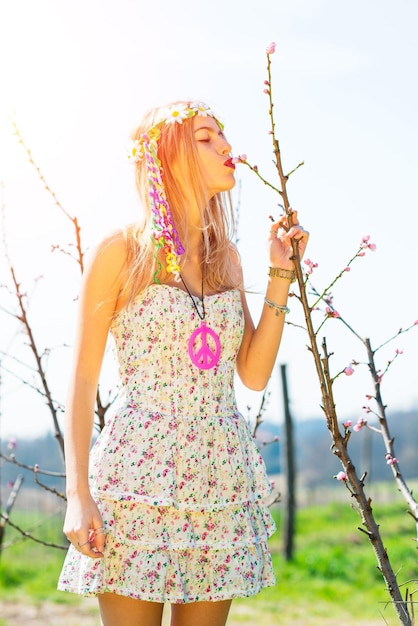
(203, 314)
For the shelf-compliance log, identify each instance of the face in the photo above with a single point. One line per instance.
(214, 155)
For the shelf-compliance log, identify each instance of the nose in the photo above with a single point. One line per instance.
(226, 147)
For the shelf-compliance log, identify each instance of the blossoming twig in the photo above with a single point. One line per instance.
(339, 441)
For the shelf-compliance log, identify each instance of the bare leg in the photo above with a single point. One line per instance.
(116, 610)
(200, 613)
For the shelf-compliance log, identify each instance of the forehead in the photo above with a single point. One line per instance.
(208, 123)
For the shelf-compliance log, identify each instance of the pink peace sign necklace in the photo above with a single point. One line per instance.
(204, 343)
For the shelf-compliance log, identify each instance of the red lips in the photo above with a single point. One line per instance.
(229, 163)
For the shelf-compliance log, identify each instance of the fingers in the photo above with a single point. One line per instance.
(281, 236)
(98, 539)
(298, 233)
(284, 223)
(91, 544)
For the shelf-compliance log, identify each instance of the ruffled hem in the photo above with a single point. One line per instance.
(138, 526)
(162, 501)
(163, 554)
(175, 577)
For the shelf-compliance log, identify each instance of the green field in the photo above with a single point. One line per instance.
(333, 578)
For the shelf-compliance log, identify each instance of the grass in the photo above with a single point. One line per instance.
(333, 578)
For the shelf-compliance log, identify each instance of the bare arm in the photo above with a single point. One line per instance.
(100, 291)
(260, 344)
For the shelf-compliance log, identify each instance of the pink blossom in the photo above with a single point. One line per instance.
(416, 322)
(311, 266)
(347, 424)
(347, 269)
(241, 158)
(349, 370)
(361, 422)
(390, 460)
(331, 313)
(397, 351)
(267, 91)
(341, 476)
(365, 243)
(271, 48)
(12, 444)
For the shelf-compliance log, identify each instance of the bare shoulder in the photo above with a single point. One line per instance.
(111, 248)
(105, 269)
(235, 264)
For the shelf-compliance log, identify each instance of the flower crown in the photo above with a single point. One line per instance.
(145, 149)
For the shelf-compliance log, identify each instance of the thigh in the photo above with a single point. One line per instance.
(116, 610)
(200, 613)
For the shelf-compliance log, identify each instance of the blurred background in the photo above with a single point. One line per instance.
(76, 77)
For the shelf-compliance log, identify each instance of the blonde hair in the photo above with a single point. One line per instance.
(176, 147)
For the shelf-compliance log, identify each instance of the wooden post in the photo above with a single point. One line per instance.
(290, 498)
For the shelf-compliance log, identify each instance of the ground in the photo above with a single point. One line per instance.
(14, 613)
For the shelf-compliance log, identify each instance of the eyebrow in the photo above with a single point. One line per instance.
(214, 130)
(203, 128)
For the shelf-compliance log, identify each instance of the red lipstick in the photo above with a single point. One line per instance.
(229, 163)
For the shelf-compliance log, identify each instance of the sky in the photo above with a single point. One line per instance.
(77, 77)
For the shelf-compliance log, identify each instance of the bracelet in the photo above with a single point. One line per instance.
(280, 308)
(278, 272)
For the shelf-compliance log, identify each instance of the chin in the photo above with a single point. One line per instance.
(230, 185)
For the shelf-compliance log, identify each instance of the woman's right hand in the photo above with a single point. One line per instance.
(83, 526)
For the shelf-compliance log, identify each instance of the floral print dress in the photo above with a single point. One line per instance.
(175, 472)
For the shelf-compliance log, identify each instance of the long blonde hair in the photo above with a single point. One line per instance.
(176, 145)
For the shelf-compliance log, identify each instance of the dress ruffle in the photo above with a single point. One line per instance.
(164, 554)
(192, 463)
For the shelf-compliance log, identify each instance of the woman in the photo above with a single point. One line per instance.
(169, 507)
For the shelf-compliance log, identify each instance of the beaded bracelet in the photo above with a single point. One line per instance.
(278, 272)
(280, 308)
